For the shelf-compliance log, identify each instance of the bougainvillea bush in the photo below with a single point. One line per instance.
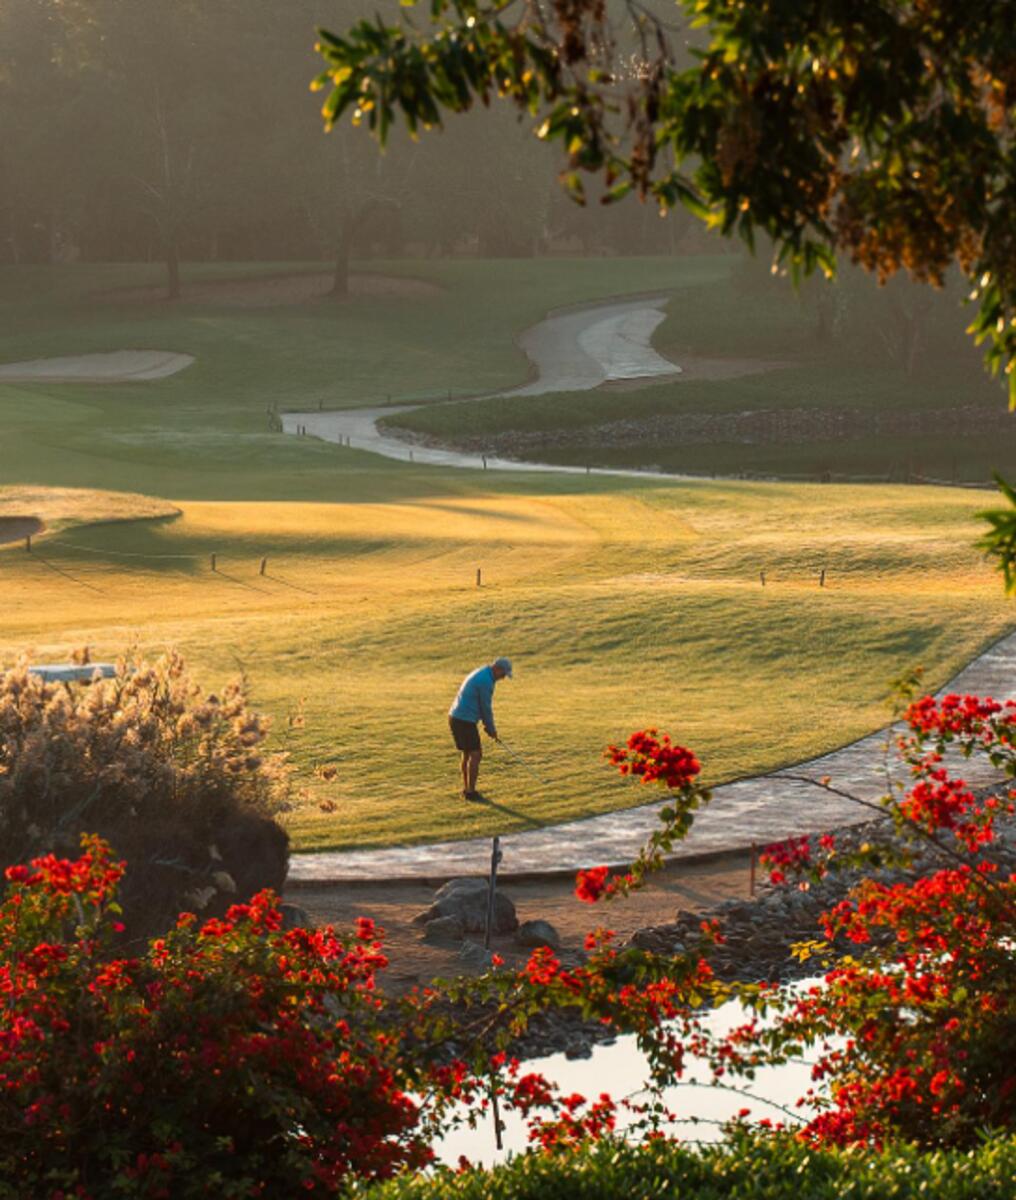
(924, 1002)
(913, 1021)
(230, 1059)
(176, 779)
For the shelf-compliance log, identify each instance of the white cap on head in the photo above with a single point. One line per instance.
(505, 664)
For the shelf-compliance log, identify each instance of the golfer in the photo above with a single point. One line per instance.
(475, 705)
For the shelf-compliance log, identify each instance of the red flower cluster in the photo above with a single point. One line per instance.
(229, 1048)
(790, 855)
(93, 876)
(590, 885)
(959, 715)
(655, 759)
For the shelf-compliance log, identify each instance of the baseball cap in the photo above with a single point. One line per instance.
(505, 664)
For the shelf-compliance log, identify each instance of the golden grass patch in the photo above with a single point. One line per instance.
(621, 607)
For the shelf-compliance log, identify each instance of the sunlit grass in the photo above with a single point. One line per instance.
(621, 607)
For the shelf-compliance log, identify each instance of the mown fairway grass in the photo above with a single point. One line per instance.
(621, 607)
(623, 604)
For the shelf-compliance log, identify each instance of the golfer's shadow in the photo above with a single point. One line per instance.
(525, 818)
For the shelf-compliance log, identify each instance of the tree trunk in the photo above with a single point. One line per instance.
(340, 276)
(172, 269)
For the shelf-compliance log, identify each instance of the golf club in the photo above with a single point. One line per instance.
(520, 760)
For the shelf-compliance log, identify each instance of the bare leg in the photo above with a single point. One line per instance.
(465, 771)
(473, 769)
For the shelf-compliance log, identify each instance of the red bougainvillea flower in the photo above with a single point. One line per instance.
(655, 759)
(590, 885)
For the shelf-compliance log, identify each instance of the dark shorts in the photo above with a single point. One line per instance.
(465, 734)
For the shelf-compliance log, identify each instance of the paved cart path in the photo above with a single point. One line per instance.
(571, 352)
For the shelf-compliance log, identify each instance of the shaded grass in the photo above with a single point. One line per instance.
(205, 431)
(722, 317)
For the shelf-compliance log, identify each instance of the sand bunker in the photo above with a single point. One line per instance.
(14, 529)
(276, 291)
(120, 366)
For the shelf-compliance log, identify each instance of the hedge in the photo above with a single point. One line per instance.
(768, 1168)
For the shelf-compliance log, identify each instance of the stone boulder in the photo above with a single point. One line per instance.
(475, 955)
(466, 899)
(294, 916)
(538, 933)
(444, 929)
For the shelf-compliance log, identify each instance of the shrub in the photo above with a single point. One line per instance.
(772, 1168)
(231, 1059)
(176, 780)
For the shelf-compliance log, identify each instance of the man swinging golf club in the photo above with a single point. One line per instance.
(473, 706)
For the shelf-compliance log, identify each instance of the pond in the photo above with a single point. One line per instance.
(620, 1070)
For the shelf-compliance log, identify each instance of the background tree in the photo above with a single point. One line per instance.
(883, 131)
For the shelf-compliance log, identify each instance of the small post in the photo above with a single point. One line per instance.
(751, 879)
(495, 858)
(484, 457)
(410, 456)
(264, 564)
(762, 578)
(479, 577)
(28, 543)
(213, 562)
(495, 1112)
(821, 578)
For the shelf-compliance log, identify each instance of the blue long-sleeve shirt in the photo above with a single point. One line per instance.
(475, 701)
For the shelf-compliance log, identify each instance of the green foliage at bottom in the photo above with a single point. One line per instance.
(767, 1168)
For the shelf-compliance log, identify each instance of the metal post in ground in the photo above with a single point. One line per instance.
(495, 858)
(496, 1114)
(751, 881)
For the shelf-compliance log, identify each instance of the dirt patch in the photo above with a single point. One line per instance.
(275, 291)
(14, 529)
(689, 886)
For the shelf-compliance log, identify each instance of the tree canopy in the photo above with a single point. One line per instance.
(881, 130)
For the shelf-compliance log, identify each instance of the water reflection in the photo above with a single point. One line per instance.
(620, 1069)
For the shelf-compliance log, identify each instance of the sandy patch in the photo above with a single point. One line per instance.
(695, 367)
(276, 291)
(119, 366)
(13, 529)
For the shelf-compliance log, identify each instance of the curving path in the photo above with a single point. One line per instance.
(573, 351)
(576, 351)
(763, 809)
